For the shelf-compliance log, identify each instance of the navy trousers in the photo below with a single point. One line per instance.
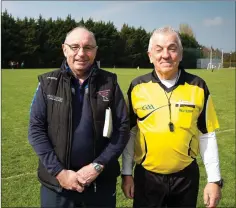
(105, 196)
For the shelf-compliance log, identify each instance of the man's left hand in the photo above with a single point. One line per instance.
(212, 195)
(87, 174)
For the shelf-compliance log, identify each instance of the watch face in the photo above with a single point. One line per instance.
(97, 167)
(220, 183)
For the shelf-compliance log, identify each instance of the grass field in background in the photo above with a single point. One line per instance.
(20, 187)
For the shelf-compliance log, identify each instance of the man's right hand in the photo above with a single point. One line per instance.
(68, 180)
(128, 186)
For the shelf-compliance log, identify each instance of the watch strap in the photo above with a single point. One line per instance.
(220, 183)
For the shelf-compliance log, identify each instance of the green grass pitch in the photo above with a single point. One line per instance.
(20, 187)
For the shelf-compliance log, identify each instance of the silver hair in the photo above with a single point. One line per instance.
(164, 30)
(81, 28)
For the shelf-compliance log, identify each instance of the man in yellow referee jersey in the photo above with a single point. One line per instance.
(172, 119)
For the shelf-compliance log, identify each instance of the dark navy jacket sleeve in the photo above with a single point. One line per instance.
(120, 134)
(37, 134)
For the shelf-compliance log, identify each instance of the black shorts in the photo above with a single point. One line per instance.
(166, 190)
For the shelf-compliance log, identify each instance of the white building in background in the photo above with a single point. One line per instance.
(205, 63)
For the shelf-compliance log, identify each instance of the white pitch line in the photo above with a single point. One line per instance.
(226, 130)
(24, 174)
(18, 176)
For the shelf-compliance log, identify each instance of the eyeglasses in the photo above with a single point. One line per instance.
(76, 48)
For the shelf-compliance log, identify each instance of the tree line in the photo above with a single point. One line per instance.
(37, 42)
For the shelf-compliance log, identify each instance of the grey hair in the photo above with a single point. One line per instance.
(81, 28)
(164, 30)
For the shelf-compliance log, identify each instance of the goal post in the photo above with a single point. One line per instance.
(99, 64)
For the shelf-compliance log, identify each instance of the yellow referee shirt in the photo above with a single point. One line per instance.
(188, 105)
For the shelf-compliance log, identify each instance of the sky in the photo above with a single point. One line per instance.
(213, 22)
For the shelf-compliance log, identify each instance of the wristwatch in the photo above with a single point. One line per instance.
(220, 183)
(97, 167)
